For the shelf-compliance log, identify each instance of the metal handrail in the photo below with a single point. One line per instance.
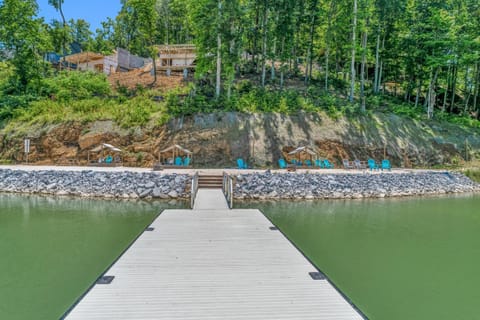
(194, 190)
(227, 188)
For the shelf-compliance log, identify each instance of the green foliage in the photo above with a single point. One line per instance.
(67, 86)
(473, 174)
(135, 112)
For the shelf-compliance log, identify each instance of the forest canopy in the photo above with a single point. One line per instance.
(425, 54)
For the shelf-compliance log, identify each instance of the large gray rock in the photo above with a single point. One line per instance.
(95, 184)
(349, 186)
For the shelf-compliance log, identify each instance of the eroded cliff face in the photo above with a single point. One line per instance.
(261, 139)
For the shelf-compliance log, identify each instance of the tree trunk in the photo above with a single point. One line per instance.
(309, 66)
(219, 54)
(467, 90)
(154, 62)
(376, 84)
(431, 94)
(362, 71)
(264, 43)
(327, 56)
(417, 95)
(282, 64)
(380, 72)
(444, 106)
(272, 71)
(477, 84)
(352, 70)
(454, 87)
(327, 41)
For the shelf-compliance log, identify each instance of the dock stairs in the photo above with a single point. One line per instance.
(210, 181)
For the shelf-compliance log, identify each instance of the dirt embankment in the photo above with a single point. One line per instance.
(261, 139)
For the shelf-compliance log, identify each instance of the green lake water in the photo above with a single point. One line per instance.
(53, 249)
(402, 259)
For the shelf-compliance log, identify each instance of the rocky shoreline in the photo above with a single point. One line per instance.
(265, 186)
(257, 186)
(120, 185)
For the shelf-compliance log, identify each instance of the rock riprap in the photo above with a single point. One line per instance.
(349, 186)
(127, 185)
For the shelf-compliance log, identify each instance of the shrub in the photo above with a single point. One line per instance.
(69, 85)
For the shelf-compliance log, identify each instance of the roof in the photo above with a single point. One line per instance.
(105, 146)
(83, 57)
(176, 146)
(176, 48)
(303, 149)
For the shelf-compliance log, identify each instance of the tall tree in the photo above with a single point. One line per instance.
(25, 36)
(354, 44)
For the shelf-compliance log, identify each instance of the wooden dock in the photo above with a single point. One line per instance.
(213, 263)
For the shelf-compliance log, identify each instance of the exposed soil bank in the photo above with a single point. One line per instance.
(217, 140)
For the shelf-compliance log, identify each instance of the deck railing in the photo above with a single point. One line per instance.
(228, 189)
(194, 189)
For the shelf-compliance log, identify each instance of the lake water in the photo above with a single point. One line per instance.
(412, 258)
(53, 249)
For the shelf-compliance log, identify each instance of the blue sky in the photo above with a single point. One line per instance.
(93, 11)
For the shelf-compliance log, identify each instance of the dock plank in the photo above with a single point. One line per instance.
(213, 264)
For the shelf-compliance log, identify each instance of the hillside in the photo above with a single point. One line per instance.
(217, 139)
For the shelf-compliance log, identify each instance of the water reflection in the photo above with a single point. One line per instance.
(402, 258)
(52, 248)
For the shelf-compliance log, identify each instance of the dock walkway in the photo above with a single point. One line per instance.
(213, 263)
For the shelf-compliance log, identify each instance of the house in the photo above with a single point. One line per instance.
(176, 57)
(120, 61)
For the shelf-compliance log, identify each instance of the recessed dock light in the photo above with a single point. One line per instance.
(150, 229)
(273, 228)
(105, 280)
(317, 275)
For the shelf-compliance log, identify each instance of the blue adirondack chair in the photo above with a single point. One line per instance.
(386, 165)
(327, 164)
(319, 163)
(294, 162)
(372, 165)
(282, 164)
(241, 164)
(108, 159)
(178, 161)
(186, 162)
(308, 163)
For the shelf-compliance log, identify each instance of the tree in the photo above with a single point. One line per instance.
(141, 19)
(58, 5)
(25, 36)
(354, 44)
(80, 33)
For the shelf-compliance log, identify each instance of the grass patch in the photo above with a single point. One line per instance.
(473, 174)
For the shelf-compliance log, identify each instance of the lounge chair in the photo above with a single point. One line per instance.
(327, 164)
(372, 165)
(108, 159)
(186, 162)
(319, 163)
(282, 164)
(360, 164)
(178, 161)
(308, 163)
(386, 165)
(241, 164)
(347, 165)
